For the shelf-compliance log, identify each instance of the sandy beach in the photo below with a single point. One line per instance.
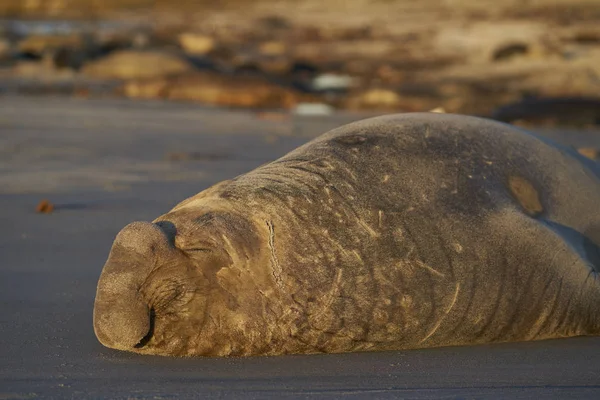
(104, 163)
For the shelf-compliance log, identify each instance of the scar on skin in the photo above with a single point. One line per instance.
(333, 293)
(524, 192)
(437, 325)
(366, 227)
(428, 268)
(227, 242)
(357, 255)
(277, 272)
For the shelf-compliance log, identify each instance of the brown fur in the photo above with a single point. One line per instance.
(398, 232)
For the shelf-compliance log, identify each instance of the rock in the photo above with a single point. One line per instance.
(44, 207)
(480, 89)
(472, 97)
(240, 60)
(483, 42)
(374, 98)
(140, 40)
(43, 71)
(307, 34)
(157, 88)
(243, 91)
(582, 33)
(354, 33)
(109, 41)
(272, 48)
(270, 59)
(510, 50)
(561, 111)
(312, 109)
(326, 51)
(58, 50)
(215, 89)
(590, 152)
(6, 50)
(332, 82)
(38, 45)
(305, 69)
(66, 58)
(277, 65)
(27, 69)
(389, 74)
(360, 67)
(561, 79)
(227, 57)
(274, 23)
(135, 64)
(196, 43)
(264, 28)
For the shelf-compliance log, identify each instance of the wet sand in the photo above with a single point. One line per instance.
(105, 163)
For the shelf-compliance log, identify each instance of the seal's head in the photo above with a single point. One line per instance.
(150, 292)
(184, 286)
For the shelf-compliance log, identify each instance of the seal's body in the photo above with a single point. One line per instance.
(397, 232)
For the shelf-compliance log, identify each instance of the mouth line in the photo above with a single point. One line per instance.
(146, 339)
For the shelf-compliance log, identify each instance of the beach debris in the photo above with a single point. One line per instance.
(37, 45)
(44, 207)
(332, 82)
(196, 43)
(311, 109)
(590, 152)
(137, 64)
(272, 48)
(374, 98)
(6, 49)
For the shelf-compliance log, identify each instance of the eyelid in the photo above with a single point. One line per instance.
(198, 249)
(194, 246)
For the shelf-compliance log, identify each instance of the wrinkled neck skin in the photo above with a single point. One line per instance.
(235, 304)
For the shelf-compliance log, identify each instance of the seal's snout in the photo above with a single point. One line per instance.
(122, 317)
(142, 237)
(122, 328)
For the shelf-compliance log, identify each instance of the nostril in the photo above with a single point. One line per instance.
(144, 341)
(168, 229)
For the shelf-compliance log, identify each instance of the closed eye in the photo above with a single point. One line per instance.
(197, 250)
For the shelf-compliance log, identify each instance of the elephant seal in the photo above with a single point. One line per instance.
(397, 232)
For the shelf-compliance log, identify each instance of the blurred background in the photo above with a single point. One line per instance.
(522, 61)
